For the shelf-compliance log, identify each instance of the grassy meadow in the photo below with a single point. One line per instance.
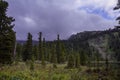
(23, 71)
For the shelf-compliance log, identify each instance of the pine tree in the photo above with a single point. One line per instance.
(117, 43)
(117, 8)
(43, 53)
(27, 55)
(58, 50)
(7, 35)
(45, 49)
(40, 46)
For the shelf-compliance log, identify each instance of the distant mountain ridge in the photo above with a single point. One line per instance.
(23, 42)
(86, 35)
(82, 36)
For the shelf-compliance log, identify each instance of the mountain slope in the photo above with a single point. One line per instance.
(96, 39)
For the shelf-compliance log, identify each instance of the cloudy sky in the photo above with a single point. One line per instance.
(65, 17)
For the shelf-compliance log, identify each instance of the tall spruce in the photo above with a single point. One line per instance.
(27, 55)
(117, 43)
(40, 46)
(7, 35)
(117, 7)
(58, 49)
(43, 53)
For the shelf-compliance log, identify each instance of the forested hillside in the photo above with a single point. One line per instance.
(103, 41)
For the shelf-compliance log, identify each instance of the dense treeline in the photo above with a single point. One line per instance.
(57, 51)
(114, 45)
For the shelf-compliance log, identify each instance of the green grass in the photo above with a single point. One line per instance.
(21, 71)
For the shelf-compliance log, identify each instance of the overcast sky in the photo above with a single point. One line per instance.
(65, 17)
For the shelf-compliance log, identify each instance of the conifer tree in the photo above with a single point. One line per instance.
(7, 35)
(27, 55)
(117, 8)
(40, 46)
(117, 43)
(58, 50)
(43, 53)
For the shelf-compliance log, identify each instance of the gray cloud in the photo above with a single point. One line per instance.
(50, 17)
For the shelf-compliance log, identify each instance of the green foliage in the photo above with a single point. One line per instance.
(77, 60)
(83, 57)
(31, 65)
(18, 55)
(43, 53)
(63, 52)
(60, 50)
(97, 58)
(71, 61)
(114, 45)
(76, 76)
(27, 54)
(22, 71)
(7, 35)
(35, 52)
(53, 55)
(54, 66)
(40, 46)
